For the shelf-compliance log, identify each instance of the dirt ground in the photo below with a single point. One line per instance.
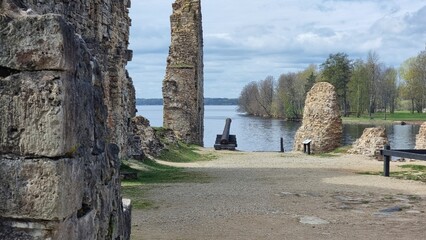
(284, 196)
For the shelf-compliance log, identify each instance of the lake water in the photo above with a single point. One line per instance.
(259, 134)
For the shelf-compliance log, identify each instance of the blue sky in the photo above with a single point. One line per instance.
(247, 40)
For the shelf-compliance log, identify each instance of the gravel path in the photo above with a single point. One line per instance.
(284, 196)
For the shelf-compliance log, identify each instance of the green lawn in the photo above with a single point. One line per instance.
(183, 153)
(149, 172)
(380, 117)
(410, 172)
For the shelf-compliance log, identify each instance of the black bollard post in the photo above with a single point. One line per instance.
(282, 145)
(386, 167)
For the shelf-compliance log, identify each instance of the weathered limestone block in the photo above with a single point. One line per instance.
(42, 189)
(371, 142)
(421, 137)
(73, 198)
(37, 42)
(42, 114)
(321, 120)
(42, 230)
(183, 84)
(148, 142)
(104, 26)
(50, 104)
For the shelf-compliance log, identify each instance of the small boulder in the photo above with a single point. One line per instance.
(371, 142)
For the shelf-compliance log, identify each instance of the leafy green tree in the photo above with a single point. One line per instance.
(374, 71)
(291, 96)
(256, 98)
(246, 101)
(310, 81)
(337, 71)
(387, 89)
(413, 71)
(265, 96)
(359, 88)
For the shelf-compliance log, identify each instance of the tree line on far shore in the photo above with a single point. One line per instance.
(362, 86)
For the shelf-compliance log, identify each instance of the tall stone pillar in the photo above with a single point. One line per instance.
(183, 84)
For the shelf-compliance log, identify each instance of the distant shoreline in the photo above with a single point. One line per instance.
(207, 101)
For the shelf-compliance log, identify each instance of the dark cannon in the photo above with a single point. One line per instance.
(226, 141)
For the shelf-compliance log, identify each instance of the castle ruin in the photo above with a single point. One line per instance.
(66, 102)
(183, 84)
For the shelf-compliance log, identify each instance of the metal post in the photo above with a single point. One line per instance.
(386, 169)
(282, 145)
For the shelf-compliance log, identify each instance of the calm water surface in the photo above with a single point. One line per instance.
(258, 134)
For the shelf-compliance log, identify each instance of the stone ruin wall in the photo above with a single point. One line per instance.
(322, 123)
(421, 137)
(104, 26)
(183, 84)
(65, 98)
(371, 142)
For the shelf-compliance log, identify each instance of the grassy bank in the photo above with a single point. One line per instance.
(184, 153)
(379, 118)
(413, 172)
(143, 174)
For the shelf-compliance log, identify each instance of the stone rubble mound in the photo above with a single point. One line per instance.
(371, 142)
(322, 122)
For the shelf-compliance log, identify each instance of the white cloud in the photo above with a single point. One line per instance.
(246, 41)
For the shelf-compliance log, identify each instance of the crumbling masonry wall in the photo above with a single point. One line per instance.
(62, 78)
(104, 27)
(183, 84)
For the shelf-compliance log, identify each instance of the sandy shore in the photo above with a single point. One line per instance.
(284, 196)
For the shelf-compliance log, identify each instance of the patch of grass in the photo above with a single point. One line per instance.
(413, 172)
(150, 172)
(147, 172)
(370, 173)
(343, 149)
(415, 167)
(336, 152)
(183, 153)
(137, 195)
(327, 155)
(411, 176)
(380, 117)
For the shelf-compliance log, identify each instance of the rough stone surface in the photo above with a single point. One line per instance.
(35, 188)
(104, 27)
(321, 120)
(58, 168)
(127, 211)
(183, 84)
(145, 138)
(50, 35)
(149, 141)
(421, 137)
(40, 98)
(371, 142)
